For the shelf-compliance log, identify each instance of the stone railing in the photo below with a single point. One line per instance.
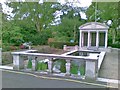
(91, 63)
(70, 48)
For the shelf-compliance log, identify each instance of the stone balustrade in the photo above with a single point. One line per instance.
(90, 68)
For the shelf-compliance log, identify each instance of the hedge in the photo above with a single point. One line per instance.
(61, 44)
(115, 45)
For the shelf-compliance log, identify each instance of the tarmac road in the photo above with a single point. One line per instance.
(17, 80)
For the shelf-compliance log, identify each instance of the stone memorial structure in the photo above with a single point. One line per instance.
(93, 34)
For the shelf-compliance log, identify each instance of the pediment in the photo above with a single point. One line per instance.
(93, 26)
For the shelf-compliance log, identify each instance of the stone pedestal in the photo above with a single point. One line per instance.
(50, 62)
(91, 70)
(18, 62)
(68, 67)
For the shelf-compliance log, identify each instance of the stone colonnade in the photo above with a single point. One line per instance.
(81, 43)
(90, 68)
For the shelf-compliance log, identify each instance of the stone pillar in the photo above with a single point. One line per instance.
(76, 47)
(91, 69)
(65, 47)
(80, 41)
(88, 39)
(106, 38)
(18, 62)
(50, 62)
(97, 39)
(0, 56)
(68, 67)
(34, 64)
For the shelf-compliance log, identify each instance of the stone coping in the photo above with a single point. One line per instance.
(63, 56)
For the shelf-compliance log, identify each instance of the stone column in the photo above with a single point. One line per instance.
(50, 62)
(88, 38)
(106, 38)
(80, 41)
(18, 62)
(97, 39)
(0, 56)
(91, 69)
(68, 67)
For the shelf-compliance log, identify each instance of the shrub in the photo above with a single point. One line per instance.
(40, 38)
(63, 66)
(74, 69)
(115, 45)
(29, 64)
(61, 44)
(41, 66)
(82, 70)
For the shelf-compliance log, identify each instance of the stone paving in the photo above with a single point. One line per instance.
(109, 68)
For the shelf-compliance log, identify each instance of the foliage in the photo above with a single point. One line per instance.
(82, 70)
(61, 44)
(63, 66)
(29, 64)
(41, 66)
(104, 14)
(40, 38)
(67, 30)
(116, 45)
(74, 69)
(33, 14)
(12, 34)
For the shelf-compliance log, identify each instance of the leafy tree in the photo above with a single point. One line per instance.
(33, 14)
(105, 11)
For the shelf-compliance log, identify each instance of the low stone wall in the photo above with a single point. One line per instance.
(70, 48)
(90, 67)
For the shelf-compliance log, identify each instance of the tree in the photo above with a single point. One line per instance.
(105, 11)
(33, 14)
